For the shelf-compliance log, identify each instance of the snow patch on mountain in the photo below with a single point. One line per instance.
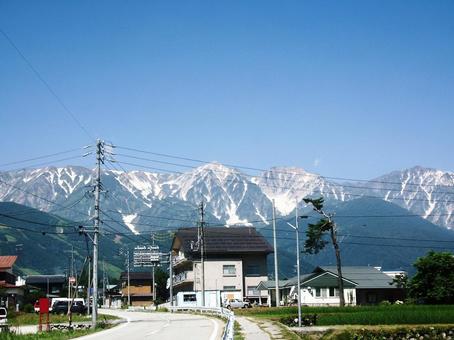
(127, 219)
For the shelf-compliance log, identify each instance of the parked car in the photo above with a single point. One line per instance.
(61, 307)
(36, 306)
(237, 303)
(3, 315)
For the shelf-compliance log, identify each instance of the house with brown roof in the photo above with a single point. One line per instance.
(11, 294)
(234, 265)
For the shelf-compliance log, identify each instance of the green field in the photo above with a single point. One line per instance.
(363, 315)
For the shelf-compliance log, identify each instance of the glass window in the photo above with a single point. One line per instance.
(189, 298)
(333, 292)
(229, 270)
(252, 291)
(318, 292)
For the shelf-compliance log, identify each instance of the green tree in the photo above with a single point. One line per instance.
(315, 239)
(162, 293)
(433, 282)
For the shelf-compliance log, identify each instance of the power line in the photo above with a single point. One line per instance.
(288, 187)
(266, 170)
(273, 177)
(39, 197)
(46, 84)
(76, 224)
(40, 157)
(52, 162)
(37, 231)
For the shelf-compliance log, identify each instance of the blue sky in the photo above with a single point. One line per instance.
(343, 88)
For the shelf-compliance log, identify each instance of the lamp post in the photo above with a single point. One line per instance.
(296, 227)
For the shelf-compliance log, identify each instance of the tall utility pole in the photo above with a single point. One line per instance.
(89, 285)
(276, 271)
(296, 227)
(171, 278)
(126, 253)
(202, 250)
(99, 160)
(103, 283)
(152, 272)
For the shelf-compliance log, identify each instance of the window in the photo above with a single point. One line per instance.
(252, 291)
(333, 292)
(229, 288)
(371, 298)
(189, 298)
(318, 292)
(229, 270)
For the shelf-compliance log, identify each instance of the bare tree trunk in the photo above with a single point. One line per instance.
(339, 267)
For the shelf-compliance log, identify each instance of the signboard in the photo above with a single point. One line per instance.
(146, 256)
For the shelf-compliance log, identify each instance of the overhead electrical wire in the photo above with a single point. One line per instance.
(265, 170)
(272, 177)
(289, 187)
(40, 157)
(40, 197)
(47, 85)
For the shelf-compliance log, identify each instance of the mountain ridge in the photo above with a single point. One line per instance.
(231, 196)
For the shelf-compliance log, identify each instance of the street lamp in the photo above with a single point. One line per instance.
(296, 227)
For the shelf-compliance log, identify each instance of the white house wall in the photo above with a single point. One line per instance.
(308, 299)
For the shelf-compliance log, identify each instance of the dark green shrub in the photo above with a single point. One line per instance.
(28, 308)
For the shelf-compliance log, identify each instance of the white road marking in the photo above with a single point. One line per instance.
(215, 331)
(113, 329)
(164, 326)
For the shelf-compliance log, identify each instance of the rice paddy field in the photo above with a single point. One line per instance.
(363, 315)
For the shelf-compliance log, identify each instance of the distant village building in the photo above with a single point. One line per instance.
(362, 285)
(49, 285)
(140, 288)
(235, 263)
(11, 293)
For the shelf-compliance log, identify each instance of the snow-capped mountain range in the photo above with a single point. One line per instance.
(141, 200)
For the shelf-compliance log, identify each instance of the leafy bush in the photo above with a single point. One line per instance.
(28, 308)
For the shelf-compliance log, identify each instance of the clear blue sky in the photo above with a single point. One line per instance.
(342, 88)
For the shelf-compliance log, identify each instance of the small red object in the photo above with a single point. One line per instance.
(43, 309)
(43, 305)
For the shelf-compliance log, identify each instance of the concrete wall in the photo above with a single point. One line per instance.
(215, 279)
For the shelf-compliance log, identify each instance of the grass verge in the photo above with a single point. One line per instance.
(53, 335)
(363, 315)
(22, 319)
(237, 335)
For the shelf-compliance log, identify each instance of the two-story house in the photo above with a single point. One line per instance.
(234, 262)
(140, 288)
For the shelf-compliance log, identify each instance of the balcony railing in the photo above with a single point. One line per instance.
(187, 276)
(176, 260)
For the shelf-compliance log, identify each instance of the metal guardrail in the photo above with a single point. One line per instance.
(222, 312)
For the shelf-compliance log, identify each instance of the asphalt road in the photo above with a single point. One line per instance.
(162, 326)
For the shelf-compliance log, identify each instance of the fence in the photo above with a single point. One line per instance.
(222, 312)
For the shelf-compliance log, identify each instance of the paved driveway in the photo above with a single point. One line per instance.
(162, 326)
